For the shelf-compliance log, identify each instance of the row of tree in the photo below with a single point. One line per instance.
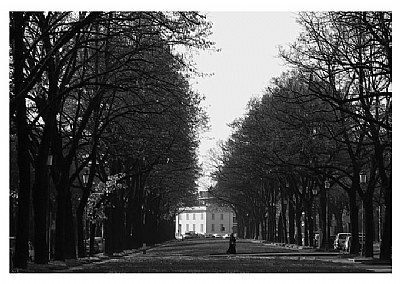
(313, 133)
(104, 94)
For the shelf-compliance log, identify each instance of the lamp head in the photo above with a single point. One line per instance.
(363, 177)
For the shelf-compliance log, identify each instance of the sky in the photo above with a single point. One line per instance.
(247, 62)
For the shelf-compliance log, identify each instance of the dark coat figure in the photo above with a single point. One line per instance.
(232, 244)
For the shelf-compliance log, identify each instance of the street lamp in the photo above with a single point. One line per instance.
(49, 223)
(363, 181)
(314, 193)
(50, 160)
(363, 178)
(327, 186)
(247, 225)
(85, 176)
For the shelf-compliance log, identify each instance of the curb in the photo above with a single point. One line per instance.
(73, 264)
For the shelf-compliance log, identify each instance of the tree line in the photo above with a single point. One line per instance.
(316, 129)
(103, 127)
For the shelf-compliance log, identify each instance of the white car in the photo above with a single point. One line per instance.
(339, 240)
(226, 236)
(189, 235)
(347, 243)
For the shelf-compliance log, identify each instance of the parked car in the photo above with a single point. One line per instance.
(338, 243)
(190, 235)
(98, 245)
(347, 243)
(226, 236)
(187, 235)
(217, 236)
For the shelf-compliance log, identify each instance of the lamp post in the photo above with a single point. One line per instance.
(85, 179)
(49, 223)
(85, 176)
(314, 193)
(303, 228)
(247, 225)
(363, 181)
(327, 186)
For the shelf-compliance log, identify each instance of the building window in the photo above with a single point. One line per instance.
(212, 227)
(187, 216)
(194, 228)
(222, 228)
(222, 216)
(187, 227)
(194, 216)
(201, 216)
(234, 219)
(180, 216)
(201, 228)
(212, 216)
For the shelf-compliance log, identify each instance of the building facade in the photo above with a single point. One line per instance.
(205, 220)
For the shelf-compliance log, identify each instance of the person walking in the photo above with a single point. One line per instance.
(232, 244)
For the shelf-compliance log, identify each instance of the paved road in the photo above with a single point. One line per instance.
(209, 255)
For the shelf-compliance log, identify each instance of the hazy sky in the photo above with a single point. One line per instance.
(248, 60)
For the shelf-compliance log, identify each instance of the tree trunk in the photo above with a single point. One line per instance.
(80, 218)
(256, 228)
(129, 223)
(271, 224)
(41, 192)
(324, 239)
(70, 229)
(118, 222)
(306, 224)
(369, 225)
(240, 226)
(23, 216)
(108, 245)
(280, 229)
(81, 237)
(310, 222)
(92, 237)
(136, 218)
(386, 245)
(264, 228)
(65, 230)
(299, 240)
(285, 240)
(59, 248)
(291, 222)
(40, 205)
(355, 245)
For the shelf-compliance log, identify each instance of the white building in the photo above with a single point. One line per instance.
(206, 220)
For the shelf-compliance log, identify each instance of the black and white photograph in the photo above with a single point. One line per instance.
(199, 141)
